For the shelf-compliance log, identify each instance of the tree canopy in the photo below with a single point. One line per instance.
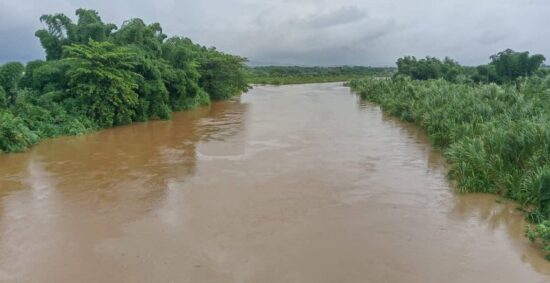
(429, 68)
(60, 31)
(97, 75)
(510, 65)
(10, 74)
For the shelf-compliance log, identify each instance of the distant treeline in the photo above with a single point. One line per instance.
(492, 122)
(295, 74)
(97, 75)
(506, 66)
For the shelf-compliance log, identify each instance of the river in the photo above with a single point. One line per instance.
(302, 183)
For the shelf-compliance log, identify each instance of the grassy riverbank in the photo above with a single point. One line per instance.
(284, 75)
(98, 76)
(495, 138)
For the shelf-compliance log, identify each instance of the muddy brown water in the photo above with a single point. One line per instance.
(301, 183)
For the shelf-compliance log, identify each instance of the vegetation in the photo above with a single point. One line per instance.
(97, 75)
(277, 75)
(492, 122)
(432, 68)
(496, 138)
(505, 67)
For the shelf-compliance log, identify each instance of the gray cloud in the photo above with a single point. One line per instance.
(341, 16)
(310, 32)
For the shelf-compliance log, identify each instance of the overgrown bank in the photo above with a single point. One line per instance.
(97, 75)
(495, 138)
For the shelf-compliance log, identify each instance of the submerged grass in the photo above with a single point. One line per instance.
(495, 138)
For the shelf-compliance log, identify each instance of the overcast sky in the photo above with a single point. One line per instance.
(311, 32)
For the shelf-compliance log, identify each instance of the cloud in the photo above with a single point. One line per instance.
(311, 32)
(344, 15)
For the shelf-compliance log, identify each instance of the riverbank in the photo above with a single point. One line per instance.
(114, 77)
(495, 138)
(302, 178)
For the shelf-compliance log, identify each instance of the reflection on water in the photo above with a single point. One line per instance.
(80, 188)
(302, 183)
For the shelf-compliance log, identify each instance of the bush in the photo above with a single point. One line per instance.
(540, 232)
(14, 135)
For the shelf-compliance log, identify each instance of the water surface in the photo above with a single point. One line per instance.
(299, 183)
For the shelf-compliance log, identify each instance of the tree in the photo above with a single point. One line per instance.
(96, 76)
(136, 32)
(486, 74)
(3, 99)
(10, 74)
(90, 27)
(26, 80)
(103, 82)
(182, 75)
(59, 28)
(153, 95)
(49, 76)
(429, 68)
(510, 65)
(222, 75)
(61, 31)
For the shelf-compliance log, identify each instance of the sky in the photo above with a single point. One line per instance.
(310, 32)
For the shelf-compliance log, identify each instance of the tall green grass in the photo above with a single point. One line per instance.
(495, 138)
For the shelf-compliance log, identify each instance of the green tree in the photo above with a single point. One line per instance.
(3, 98)
(136, 32)
(50, 75)
(96, 76)
(181, 76)
(27, 80)
(510, 65)
(10, 74)
(58, 29)
(153, 95)
(61, 31)
(429, 68)
(222, 75)
(146, 42)
(103, 82)
(486, 74)
(90, 27)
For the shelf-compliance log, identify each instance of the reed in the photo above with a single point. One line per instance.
(495, 138)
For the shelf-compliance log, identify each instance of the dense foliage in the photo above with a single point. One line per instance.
(430, 68)
(277, 75)
(97, 75)
(495, 138)
(510, 65)
(505, 67)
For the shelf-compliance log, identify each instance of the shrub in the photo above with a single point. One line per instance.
(14, 135)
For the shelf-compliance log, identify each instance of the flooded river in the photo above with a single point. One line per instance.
(300, 183)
